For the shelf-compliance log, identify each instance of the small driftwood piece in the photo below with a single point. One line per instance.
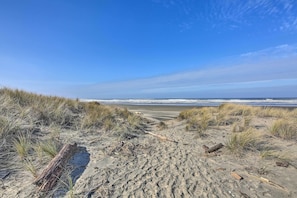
(214, 148)
(236, 176)
(51, 174)
(282, 164)
(161, 137)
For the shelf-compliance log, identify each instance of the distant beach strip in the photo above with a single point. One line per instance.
(270, 102)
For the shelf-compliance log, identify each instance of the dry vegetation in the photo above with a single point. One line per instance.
(30, 126)
(281, 123)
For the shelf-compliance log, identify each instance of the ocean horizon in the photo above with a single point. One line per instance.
(274, 102)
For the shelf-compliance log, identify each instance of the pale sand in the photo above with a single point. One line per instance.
(158, 112)
(148, 167)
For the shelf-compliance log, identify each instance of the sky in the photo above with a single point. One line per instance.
(150, 48)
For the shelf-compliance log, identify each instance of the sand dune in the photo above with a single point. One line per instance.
(145, 166)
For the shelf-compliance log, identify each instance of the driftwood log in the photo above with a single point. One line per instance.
(213, 149)
(51, 174)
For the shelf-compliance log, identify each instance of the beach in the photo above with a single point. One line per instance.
(169, 155)
(160, 168)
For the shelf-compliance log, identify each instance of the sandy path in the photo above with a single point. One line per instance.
(154, 168)
(165, 169)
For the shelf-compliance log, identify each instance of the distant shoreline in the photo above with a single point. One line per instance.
(188, 103)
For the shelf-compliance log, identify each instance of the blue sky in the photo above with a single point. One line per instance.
(150, 48)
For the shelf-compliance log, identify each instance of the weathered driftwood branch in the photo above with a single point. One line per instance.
(272, 183)
(214, 148)
(236, 176)
(161, 137)
(51, 174)
(267, 181)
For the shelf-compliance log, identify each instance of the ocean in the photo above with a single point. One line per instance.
(275, 102)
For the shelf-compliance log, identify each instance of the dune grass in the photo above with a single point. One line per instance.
(42, 110)
(235, 109)
(239, 142)
(198, 119)
(284, 128)
(241, 116)
(50, 148)
(244, 134)
(30, 166)
(31, 125)
(22, 145)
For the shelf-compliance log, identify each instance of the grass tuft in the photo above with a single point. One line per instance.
(49, 148)
(235, 109)
(237, 143)
(22, 145)
(29, 166)
(285, 129)
(279, 155)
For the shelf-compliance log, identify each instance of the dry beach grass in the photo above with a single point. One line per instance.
(123, 159)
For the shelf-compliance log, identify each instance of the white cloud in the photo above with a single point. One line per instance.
(257, 71)
(276, 52)
(250, 73)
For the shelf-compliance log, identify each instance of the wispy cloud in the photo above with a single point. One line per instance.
(270, 70)
(273, 52)
(281, 14)
(251, 72)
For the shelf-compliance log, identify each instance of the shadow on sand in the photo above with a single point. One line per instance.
(77, 165)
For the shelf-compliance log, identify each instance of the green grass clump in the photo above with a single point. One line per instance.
(29, 166)
(22, 145)
(134, 121)
(285, 129)
(239, 142)
(198, 119)
(96, 115)
(279, 155)
(271, 112)
(50, 148)
(5, 126)
(235, 109)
